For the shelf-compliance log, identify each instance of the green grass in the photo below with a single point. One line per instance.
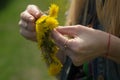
(20, 59)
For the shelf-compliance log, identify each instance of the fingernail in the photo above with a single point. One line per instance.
(37, 14)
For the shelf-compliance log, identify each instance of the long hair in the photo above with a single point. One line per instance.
(108, 14)
(75, 11)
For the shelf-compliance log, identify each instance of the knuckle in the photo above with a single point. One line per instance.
(31, 6)
(78, 26)
(23, 15)
(20, 23)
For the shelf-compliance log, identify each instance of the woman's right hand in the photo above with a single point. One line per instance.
(27, 22)
(82, 44)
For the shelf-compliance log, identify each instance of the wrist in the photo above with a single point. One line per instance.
(114, 49)
(102, 42)
(108, 45)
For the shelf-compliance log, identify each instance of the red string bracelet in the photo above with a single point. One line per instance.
(108, 44)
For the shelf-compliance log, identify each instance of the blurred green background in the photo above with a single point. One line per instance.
(20, 59)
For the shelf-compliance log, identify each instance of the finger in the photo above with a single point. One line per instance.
(27, 17)
(31, 27)
(27, 25)
(28, 35)
(68, 30)
(34, 10)
(61, 55)
(60, 40)
(22, 23)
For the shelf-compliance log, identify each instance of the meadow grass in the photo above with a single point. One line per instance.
(20, 59)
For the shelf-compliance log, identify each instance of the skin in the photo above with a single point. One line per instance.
(84, 45)
(78, 42)
(27, 20)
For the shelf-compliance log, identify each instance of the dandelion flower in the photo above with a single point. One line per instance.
(44, 25)
(53, 10)
(54, 69)
(51, 23)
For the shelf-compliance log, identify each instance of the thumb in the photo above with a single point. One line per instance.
(67, 30)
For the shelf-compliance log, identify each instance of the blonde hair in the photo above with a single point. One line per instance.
(108, 14)
(75, 11)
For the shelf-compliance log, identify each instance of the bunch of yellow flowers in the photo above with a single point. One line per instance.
(44, 25)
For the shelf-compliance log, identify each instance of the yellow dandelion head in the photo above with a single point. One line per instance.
(54, 69)
(44, 25)
(51, 23)
(40, 29)
(41, 19)
(53, 11)
(55, 49)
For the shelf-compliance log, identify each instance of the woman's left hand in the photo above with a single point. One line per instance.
(81, 43)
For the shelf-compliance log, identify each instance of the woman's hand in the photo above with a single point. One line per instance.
(82, 43)
(27, 22)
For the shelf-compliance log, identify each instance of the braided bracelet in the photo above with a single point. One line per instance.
(108, 44)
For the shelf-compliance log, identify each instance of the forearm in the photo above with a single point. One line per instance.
(109, 45)
(114, 49)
